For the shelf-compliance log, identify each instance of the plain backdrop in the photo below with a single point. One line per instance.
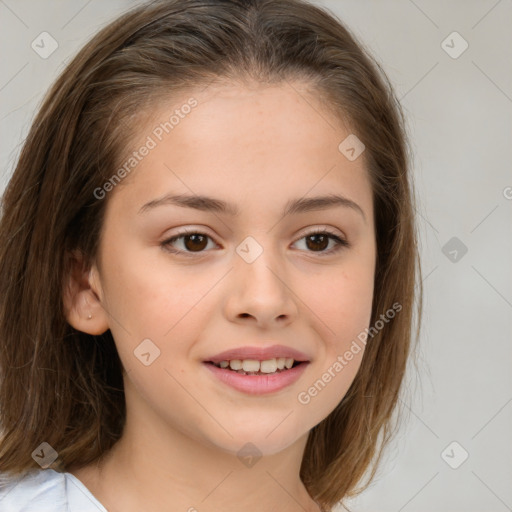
(450, 63)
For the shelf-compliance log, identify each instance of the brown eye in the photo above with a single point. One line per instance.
(190, 243)
(195, 242)
(318, 242)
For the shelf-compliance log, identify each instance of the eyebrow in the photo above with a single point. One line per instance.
(293, 206)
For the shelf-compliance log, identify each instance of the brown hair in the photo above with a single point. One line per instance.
(65, 387)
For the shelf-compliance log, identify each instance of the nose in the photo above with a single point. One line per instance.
(261, 292)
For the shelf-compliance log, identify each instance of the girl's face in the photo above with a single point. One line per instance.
(254, 279)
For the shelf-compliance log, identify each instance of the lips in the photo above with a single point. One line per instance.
(256, 384)
(259, 354)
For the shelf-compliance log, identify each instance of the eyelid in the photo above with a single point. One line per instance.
(304, 232)
(321, 229)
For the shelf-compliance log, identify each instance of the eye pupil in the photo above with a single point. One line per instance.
(195, 238)
(314, 239)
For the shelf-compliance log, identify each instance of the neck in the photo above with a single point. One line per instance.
(154, 467)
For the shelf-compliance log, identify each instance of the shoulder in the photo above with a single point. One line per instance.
(45, 491)
(38, 489)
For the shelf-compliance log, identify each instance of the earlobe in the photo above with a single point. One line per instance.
(82, 304)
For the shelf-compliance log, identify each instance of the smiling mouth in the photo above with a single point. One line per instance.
(255, 367)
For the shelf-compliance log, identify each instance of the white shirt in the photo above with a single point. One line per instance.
(46, 491)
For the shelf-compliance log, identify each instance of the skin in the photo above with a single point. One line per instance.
(257, 147)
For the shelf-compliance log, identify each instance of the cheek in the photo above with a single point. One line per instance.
(341, 306)
(342, 303)
(150, 296)
(343, 310)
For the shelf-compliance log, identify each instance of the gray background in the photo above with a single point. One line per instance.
(459, 115)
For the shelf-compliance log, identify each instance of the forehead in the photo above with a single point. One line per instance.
(238, 139)
(255, 115)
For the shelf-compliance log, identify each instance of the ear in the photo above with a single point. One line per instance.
(82, 297)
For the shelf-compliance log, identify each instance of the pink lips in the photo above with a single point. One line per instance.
(259, 353)
(258, 384)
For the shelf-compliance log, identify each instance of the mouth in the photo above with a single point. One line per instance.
(254, 377)
(256, 367)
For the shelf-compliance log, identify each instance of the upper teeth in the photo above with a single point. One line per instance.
(253, 365)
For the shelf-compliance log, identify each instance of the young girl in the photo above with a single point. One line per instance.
(258, 370)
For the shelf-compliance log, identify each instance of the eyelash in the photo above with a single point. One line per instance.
(341, 243)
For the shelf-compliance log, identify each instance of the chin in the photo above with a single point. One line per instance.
(268, 439)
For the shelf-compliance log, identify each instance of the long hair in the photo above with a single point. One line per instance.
(65, 387)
